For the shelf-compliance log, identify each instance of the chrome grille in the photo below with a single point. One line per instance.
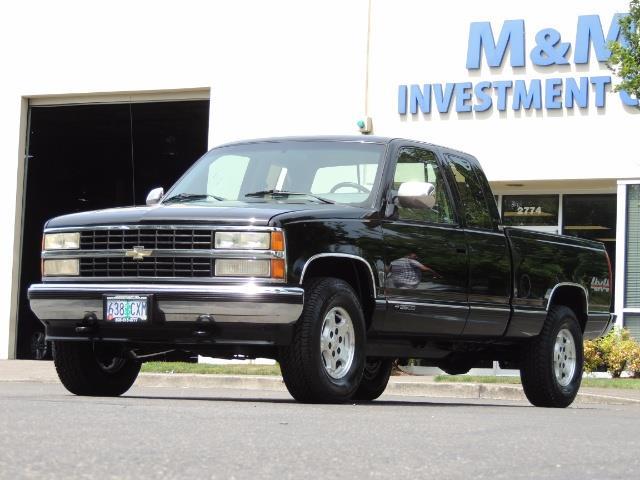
(149, 267)
(153, 239)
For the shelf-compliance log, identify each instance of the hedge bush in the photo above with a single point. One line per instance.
(616, 352)
(634, 361)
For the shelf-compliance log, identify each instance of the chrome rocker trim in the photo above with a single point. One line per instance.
(612, 321)
(247, 303)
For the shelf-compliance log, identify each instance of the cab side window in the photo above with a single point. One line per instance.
(471, 193)
(419, 165)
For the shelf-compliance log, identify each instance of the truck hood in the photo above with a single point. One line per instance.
(224, 213)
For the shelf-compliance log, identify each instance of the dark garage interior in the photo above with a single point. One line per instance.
(88, 157)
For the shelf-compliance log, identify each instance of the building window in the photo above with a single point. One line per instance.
(590, 216)
(593, 217)
(632, 323)
(632, 261)
(530, 210)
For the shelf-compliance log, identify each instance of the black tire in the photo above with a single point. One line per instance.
(82, 372)
(537, 372)
(303, 367)
(374, 379)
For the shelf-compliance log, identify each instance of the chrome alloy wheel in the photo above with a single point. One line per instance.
(337, 342)
(564, 357)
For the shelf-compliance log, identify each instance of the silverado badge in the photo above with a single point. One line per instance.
(138, 253)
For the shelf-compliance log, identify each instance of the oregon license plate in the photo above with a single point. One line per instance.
(126, 308)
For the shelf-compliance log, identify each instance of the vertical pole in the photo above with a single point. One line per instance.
(621, 250)
(23, 153)
(133, 163)
(366, 74)
(560, 213)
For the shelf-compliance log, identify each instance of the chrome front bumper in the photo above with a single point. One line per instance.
(178, 303)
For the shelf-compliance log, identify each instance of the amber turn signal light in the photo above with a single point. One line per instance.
(277, 268)
(277, 241)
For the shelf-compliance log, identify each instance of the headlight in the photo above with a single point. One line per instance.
(61, 268)
(243, 240)
(61, 241)
(243, 268)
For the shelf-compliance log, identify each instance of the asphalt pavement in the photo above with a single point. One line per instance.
(157, 432)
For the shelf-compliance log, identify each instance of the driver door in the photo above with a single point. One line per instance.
(426, 256)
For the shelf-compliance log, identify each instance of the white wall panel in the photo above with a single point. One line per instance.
(290, 67)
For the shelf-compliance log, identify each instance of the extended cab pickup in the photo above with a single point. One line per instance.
(334, 256)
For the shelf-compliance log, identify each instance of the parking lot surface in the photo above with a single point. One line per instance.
(214, 433)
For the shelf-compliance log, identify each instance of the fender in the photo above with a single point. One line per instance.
(340, 255)
(569, 284)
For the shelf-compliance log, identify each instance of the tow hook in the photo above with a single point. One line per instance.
(205, 324)
(88, 324)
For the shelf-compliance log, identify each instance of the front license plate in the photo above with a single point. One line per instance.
(126, 309)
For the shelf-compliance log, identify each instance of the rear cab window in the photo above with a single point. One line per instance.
(478, 207)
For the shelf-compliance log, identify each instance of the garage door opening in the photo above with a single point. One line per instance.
(87, 157)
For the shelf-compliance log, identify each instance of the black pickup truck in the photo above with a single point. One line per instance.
(333, 255)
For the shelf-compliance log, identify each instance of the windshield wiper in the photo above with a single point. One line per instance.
(286, 193)
(187, 197)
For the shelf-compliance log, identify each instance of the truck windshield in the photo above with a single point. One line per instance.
(292, 171)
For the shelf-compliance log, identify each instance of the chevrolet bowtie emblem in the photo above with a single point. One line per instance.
(138, 253)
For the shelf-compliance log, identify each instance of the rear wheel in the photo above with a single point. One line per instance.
(84, 370)
(374, 379)
(325, 360)
(551, 369)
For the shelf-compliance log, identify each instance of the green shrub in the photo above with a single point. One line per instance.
(592, 356)
(616, 352)
(633, 365)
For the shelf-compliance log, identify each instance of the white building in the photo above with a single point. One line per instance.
(98, 102)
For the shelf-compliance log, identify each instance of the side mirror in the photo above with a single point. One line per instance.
(155, 196)
(417, 195)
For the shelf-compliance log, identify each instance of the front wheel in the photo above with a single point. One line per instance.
(374, 379)
(89, 371)
(551, 369)
(325, 360)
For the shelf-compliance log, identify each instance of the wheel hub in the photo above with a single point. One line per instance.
(337, 342)
(564, 357)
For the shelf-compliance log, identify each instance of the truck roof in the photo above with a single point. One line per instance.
(338, 138)
(329, 138)
(310, 138)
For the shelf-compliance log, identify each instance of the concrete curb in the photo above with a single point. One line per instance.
(397, 386)
(185, 380)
